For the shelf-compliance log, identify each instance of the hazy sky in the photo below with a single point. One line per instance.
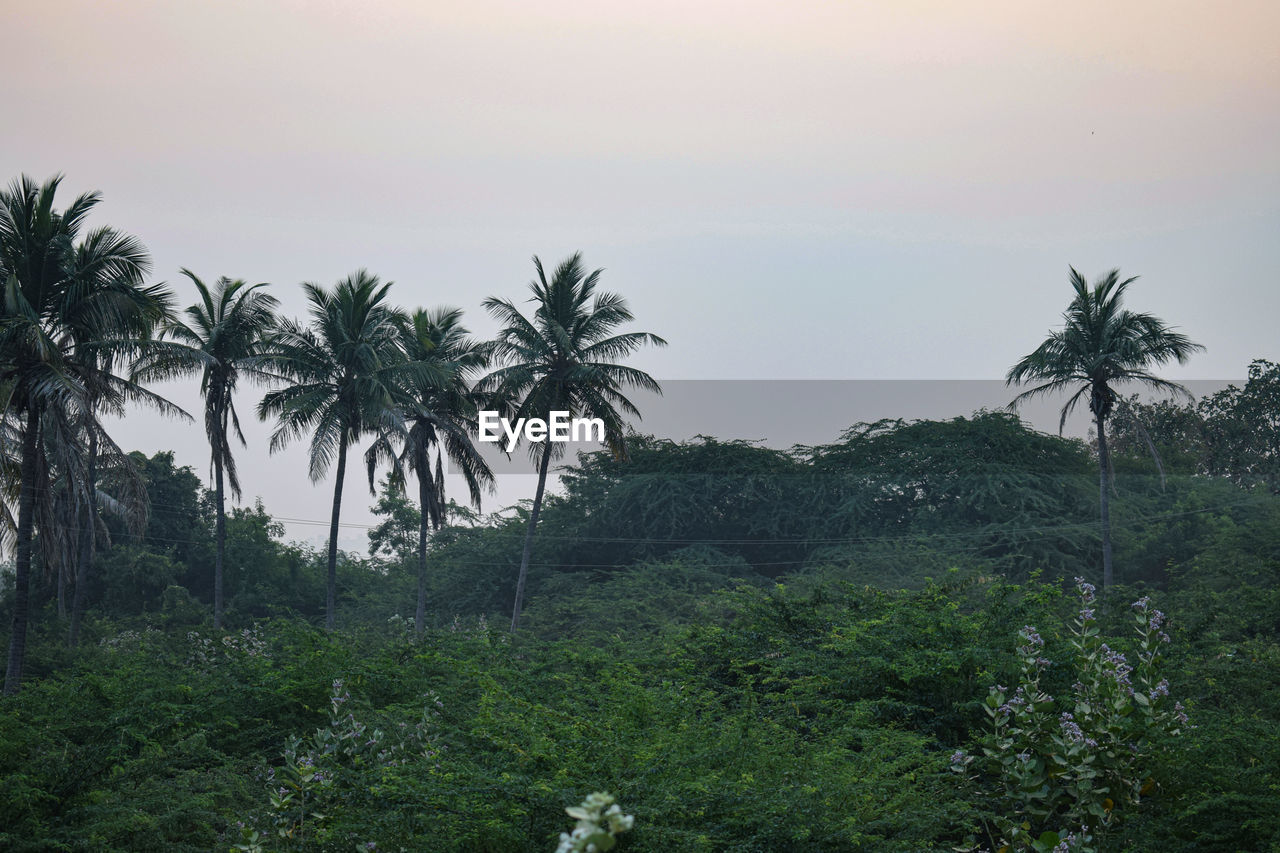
(796, 190)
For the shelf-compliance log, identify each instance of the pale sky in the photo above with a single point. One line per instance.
(794, 190)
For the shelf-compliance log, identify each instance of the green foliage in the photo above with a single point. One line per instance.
(755, 650)
(1065, 768)
(985, 486)
(1234, 434)
(396, 536)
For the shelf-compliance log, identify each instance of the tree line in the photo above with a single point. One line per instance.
(82, 332)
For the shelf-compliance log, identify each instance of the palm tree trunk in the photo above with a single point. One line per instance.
(87, 542)
(220, 535)
(331, 593)
(1104, 465)
(424, 486)
(22, 568)
(528, 537)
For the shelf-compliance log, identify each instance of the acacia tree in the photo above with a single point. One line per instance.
(438, 408)
(71, 306)
(224, 337)
(1101, 345)
(564, 359)
(343, 371)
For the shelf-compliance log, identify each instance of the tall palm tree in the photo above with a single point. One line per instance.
(343, 369)
(134, 312)
(69, 304)
(1101, 345)
(439, 417)
(224, 336)
(564, 359)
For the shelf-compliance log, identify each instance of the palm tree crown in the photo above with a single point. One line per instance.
(565, 357)
(342, 368)
(1101, 345)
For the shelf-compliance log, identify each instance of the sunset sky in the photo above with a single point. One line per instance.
(795, 190)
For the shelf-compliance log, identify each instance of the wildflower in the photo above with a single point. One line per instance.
(1070, 728)
(1161, 689)
(1086, 589)
(1142, 603)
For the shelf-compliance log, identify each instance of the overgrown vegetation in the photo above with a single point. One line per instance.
(760, 689)
(752, 648)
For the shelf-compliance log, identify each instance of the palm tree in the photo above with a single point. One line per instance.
(439, 418)
(70, 309)
(224, 336)
(564, 359)
(1101, 345)
(344, 369)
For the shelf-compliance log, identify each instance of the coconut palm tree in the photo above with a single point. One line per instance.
(564, 359)
(224, 337)
(72, 307)
(439, 418)
(344, 369)
(1100, 346)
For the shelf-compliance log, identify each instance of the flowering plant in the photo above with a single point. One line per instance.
(314, 771)
(600, 822)
(1066, 767)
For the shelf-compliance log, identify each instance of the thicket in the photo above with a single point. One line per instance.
(752, 649)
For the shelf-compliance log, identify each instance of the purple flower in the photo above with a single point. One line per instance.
(1069, 728)
(1161, 689)
(1141, 603)
(1086, 589)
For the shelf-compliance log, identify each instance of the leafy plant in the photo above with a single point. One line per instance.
(1064, 768)
(600, 822)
